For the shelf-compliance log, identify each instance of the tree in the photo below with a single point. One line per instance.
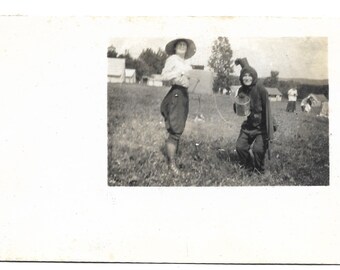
(273, 80)
(220, 61)
(111, 52)
(138, 64)
(129, 61)
(141, 68)
(161, 57)
(155, 61)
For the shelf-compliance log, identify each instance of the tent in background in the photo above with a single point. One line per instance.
(274, 94)
(116, 70)
(318, 102)
(201, 81)
(130, 75)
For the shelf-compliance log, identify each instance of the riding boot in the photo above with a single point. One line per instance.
(171, 149)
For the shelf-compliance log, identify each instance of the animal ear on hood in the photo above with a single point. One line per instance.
(243, 62)
(246, 68)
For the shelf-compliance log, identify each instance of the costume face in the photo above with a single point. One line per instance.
(181, 48)
(247, 79)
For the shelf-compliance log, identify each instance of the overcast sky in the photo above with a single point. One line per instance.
(293, 57)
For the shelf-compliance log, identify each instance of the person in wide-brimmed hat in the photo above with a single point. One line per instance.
(260, 125)
(175, 105)
(170, 48)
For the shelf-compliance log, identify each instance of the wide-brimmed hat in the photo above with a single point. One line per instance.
(191, 50)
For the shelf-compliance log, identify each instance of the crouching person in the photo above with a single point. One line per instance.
(259, 127)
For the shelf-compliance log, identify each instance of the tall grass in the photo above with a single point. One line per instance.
(207, 157)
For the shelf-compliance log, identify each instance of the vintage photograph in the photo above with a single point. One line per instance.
(226, 112)
(170, 140)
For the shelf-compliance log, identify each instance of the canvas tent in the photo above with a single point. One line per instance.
(324, 109)
(116, 70)
(234, 89)
(201, 81)
(316, 100)
(130, 75)
(274, 94)
(320, 102)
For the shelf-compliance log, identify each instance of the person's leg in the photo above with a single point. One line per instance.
(174, 109)
(171, 145)
(290, 106)
(242, 148)
(178, 114)
(259, 150)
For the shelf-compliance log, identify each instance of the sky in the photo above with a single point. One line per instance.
(293, 57)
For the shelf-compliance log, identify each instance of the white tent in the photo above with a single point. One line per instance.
(201, 81)
(318, 101)
(130, 75)
(274, 94)
(116, 70)
(324, 109)
(234, 89)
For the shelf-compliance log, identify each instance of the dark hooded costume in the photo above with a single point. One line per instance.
(258, 129)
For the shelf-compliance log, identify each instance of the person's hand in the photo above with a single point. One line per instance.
(182, 80)
(185, 81)
(187, 74)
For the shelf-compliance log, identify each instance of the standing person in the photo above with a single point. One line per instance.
(292, 97)
(175, 105)
(259, 127)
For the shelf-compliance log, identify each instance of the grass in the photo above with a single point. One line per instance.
(207, 157)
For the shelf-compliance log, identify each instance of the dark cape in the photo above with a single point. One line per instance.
(259, 102)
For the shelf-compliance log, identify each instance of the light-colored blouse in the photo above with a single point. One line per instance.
(174, 68)
(292, 95)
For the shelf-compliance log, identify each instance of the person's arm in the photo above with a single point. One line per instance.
(271, 124)
(236, 95)
(169, 71)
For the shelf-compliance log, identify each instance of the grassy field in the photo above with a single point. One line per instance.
(136, 134)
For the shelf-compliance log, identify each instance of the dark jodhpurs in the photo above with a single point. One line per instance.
(257, 139)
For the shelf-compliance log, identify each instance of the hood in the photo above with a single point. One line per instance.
(246, 68)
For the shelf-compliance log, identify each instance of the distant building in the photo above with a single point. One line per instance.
(130, 75)
(274, 94)
(116, 70)
(155, 80)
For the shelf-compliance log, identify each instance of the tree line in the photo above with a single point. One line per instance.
(220, 62)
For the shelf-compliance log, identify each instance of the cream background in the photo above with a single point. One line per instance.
(54, 200)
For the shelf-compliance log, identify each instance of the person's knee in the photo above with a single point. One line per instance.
(241, 146)
(258, 149)
(173, 138)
